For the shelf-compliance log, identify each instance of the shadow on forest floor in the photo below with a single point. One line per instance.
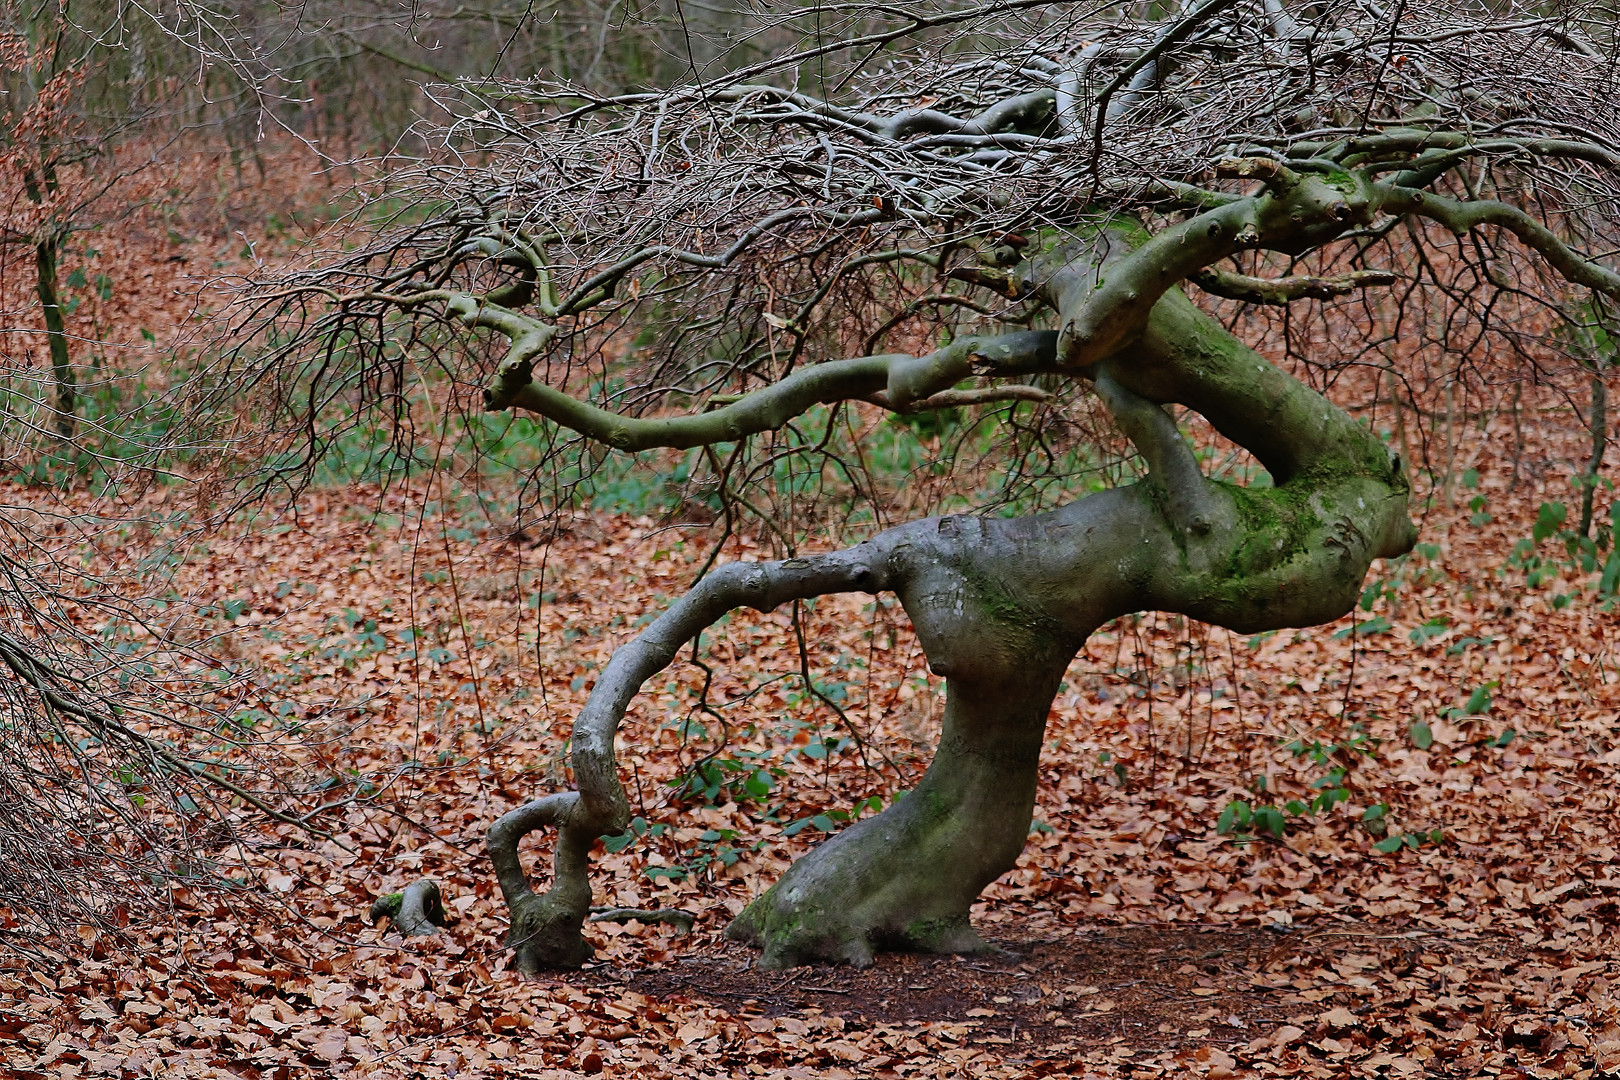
(1160, 988)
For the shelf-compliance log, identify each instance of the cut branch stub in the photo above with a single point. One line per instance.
(418, 911)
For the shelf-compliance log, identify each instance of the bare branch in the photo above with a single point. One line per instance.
(1255, 290)
(1462, 217)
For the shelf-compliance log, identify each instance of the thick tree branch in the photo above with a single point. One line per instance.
(1189, 501)
(1297, 212)
(1358, 151)
(546, 928)
(682, 921)
(905, 379)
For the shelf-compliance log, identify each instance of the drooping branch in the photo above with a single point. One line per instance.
(904, 379)
(545, 930)
(57, 692)
(601, 284)
(1462, 217)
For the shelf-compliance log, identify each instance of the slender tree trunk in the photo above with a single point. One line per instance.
(1518, 435)
(1600, 442)
(1451, 440)
(1395, 389)
(45, 263)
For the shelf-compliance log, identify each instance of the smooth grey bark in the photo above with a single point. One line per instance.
(906, 878)
(1000, 608)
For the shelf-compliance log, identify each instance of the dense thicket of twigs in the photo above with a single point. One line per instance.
(105, 793)
(845, 197)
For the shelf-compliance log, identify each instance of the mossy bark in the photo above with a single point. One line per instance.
(1002, 605)
(417, 911)
(906, 878)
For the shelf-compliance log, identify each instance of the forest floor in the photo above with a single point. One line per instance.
(429, 665)
(420, 664)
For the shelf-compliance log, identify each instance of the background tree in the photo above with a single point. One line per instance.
(121, 767)
(44, 142)
(92, 95)
(990, 208)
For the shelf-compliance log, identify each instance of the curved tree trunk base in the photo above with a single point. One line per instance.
(906, 879)
(545, 935)
(545, 930)
(880, 884)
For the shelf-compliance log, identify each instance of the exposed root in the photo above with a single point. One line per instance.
(793, 936)
(682, 921)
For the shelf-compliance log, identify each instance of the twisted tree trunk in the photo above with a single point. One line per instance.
(906, 878)
(1002, 606)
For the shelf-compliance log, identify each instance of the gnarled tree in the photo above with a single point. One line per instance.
(1080, 185)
